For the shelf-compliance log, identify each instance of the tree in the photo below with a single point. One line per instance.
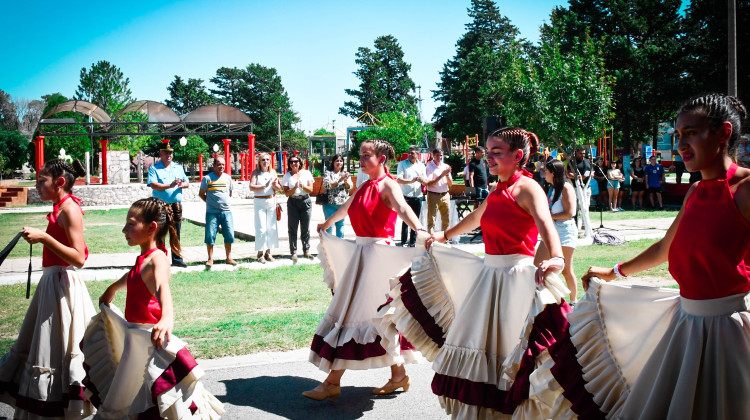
(185, 97)
(106, 86)
(468, 81)
(258, 91)
(14, 146)
(8, 116)
(400, 128)
(384, 79)
(29, 114)
(74, 146)
(565, 98)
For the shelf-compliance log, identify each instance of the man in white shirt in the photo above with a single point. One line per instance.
(411, 174)
(438, 184)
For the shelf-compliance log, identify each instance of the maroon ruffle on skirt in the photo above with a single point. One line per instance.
(550, 326)
(39, 407)
(349, 351)
(413, 304)
(569, 374)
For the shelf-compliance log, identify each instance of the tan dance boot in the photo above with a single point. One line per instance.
(329, 391)
(392, 386)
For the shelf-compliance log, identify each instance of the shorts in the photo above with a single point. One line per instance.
(613, 184)
(213, 220)
(652, 190)
(637, 186)
(567, 231)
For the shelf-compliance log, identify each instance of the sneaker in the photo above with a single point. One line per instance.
(620, 209)
(177, 263)
(231, 261)
(308, 256)
(294, 257)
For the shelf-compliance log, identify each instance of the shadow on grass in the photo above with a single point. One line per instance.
(282, 395)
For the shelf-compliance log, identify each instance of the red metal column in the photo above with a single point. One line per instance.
(227, 158)
(200, 166)
(251, 151)
(39, 153)
(104, 161)
(285, 161)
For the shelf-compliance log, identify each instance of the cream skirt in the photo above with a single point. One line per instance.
(128, 377)
(42, 375)
(358, 274)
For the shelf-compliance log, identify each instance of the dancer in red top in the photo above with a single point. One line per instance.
(688, 358)
(347, 336)
(486, 323)
(118, 354)
(42, 375)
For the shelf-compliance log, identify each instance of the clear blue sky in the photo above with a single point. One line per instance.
(310, 43)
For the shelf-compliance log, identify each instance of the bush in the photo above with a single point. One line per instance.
(457, 164)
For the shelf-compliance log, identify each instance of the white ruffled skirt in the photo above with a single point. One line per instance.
(648, 353)
(486, 326)
(128, 377)
(42, 375)
(358, 273)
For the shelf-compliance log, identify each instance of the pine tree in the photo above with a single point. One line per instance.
(185, 97)
(384, 79)
(105, 86)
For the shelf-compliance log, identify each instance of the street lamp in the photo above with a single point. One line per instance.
(216, 148)
(183, 141)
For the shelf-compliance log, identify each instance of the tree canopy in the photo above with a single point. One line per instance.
(384, 80)
(187, 96)
(106, 86)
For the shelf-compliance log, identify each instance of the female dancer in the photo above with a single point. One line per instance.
(264, 183)
(637, 182)
(614, 177)
(42, 375)
(562, 205)
(487, 322)
(298, 185)
(347, 337)
(135, 366)
(657, 357)
(337, 184)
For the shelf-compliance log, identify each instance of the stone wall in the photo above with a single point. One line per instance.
(125, 194)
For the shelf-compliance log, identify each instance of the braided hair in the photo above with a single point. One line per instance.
(518, 139)
(382, 148)
(154, 209)
(717, 108)
(56, 168)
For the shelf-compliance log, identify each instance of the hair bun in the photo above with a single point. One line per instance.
(737, 104)
(78, 169)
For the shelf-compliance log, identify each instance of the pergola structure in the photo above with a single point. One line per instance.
(209, 120)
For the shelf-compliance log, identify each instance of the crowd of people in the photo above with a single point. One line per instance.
(506, 337)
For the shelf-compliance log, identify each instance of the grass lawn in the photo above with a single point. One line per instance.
(631, 215)
(102, 231)
(249, 311)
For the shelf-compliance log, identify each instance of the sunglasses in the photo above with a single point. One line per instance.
(293, 161)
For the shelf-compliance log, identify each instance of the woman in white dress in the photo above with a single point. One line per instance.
(264, 183)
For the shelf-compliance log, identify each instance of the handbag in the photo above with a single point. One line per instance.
(322, 197)
(278, 212)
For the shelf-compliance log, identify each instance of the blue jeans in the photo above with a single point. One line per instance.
(328, 210)
(213, 220)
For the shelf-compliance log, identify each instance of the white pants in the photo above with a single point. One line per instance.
(266, 231)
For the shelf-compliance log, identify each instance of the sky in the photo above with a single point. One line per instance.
(312, 44)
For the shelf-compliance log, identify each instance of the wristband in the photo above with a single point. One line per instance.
(445, 235)
(617, 271)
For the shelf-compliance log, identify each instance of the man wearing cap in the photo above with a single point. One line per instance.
(216, 190)
(167, 179)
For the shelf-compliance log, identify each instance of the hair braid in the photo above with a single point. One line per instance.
(518, 139)
(60, 168)
(718, 108)
(152, 209)
(382, 148)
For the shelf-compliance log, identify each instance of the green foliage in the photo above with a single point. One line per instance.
(14, 147)
(185, 97)
(8, 116)
(564, 97)
(457, 162)
(323, 132)
(183, 154)
(106, 86)
(468, 87)
(257, 90)
(384, 80)
(76, 147)
(400, 128)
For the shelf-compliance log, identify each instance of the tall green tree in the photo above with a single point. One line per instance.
(14, 146)
(705, 43)
(187, 96)
(8, 115)
(642, 51)
(257, 90)
(468, 84)
(565, 98)
(400, 128)
(384, 79)
(106, 86)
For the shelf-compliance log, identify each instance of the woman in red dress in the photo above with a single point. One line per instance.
(42, 375)
(358, 273)
(135, 366)
(645, 353)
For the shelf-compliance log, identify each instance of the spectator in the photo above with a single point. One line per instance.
(410, 174)
(264, 182)
(654, 180)
(637, 182)
(337, 184)
(438, 184)
(216, 190)
(478, 173)
(600, 177)
(743, 151)
(298, 185)
(679, 166)
(167, 179)
(623, 187)
(613, 187)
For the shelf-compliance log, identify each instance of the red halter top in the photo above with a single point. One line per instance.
(370, 217)
(56, 231)
(506, 227)
(140, 305)
(710, 253)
